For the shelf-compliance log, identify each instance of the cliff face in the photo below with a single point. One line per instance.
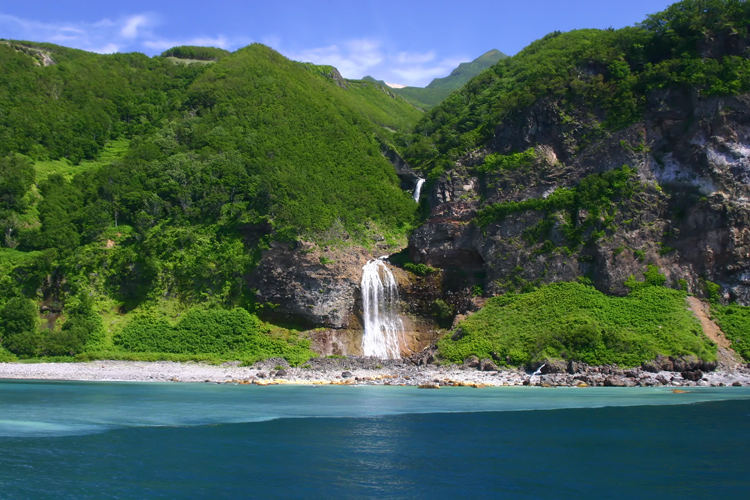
(687, 213)
(304, 285)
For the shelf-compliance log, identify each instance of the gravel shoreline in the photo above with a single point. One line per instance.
(355, 371)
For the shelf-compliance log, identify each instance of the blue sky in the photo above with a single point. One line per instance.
(406, 42)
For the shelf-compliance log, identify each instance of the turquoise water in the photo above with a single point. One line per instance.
(131, 440)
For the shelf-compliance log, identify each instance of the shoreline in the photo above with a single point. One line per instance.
(359, 371)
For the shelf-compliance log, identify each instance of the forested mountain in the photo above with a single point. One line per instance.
(136, 178)
(440, 88)
(614, 158)
(163, 207)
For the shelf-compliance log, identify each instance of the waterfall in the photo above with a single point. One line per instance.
(418, 189)
(383, 327)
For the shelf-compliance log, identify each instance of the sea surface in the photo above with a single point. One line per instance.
(82, 440)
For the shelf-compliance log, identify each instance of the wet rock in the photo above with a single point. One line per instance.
(662, 379)
(737, 383)
(709, 366)
(577, 367)
(429, 386)
(693, 375)
(613, 381)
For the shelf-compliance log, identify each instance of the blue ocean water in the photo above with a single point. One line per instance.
(147, 440)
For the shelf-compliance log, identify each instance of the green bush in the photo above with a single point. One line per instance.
(229, 333)
(18, 315)
(573, 321)
(734, 321)
(7, 356)
(419, 269)
(26, 344)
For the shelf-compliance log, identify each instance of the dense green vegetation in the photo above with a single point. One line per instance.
(572, 321)
(136, 194)
(137, 182)
(228, 333)
(193, 52)
(694, 43)
(734, 321)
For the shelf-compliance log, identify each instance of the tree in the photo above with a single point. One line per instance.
(19, 315)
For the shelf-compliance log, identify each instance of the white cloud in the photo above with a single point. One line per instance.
(357, 58)
(110, 48)
(353, 58)
(130, 28)
(422, 74)
(414, 57)
(129, 33)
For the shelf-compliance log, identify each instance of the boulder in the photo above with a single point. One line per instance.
(693, 375)
(487, 365)
(687, 363)
(472, 362)
(347, 374)
(281, 373)
(613, 381)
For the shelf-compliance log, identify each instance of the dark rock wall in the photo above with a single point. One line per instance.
(690, 218)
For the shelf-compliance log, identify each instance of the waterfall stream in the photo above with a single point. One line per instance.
(418, 190)
(383, 327)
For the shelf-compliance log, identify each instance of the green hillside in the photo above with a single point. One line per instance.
(606, 70)
(151, 185)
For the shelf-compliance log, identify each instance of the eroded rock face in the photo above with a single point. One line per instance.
(305, 285)
(690, 215)
(321, 289)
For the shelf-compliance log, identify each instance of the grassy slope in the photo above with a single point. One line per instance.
(734, 321)
(575, 321)
(113, 150)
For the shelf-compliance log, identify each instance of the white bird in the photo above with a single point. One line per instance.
(539, 370)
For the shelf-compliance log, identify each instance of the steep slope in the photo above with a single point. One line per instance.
(215, 164)
(592, 155)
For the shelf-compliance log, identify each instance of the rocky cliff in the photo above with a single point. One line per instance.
(686, 210)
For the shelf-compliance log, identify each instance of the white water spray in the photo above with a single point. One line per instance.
(418, 190)
(383, 327)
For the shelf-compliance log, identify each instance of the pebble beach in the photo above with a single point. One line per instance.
(357, 371)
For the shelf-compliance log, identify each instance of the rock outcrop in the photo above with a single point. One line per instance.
(690, 213)
(320, 289)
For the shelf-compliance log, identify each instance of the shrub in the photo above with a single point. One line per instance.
(573, 321)
(419, 269)
(223, 332)
(17, 316)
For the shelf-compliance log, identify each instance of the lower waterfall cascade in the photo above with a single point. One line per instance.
(383, 326)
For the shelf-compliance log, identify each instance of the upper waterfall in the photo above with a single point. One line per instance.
(418, 190)
(383, 327)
